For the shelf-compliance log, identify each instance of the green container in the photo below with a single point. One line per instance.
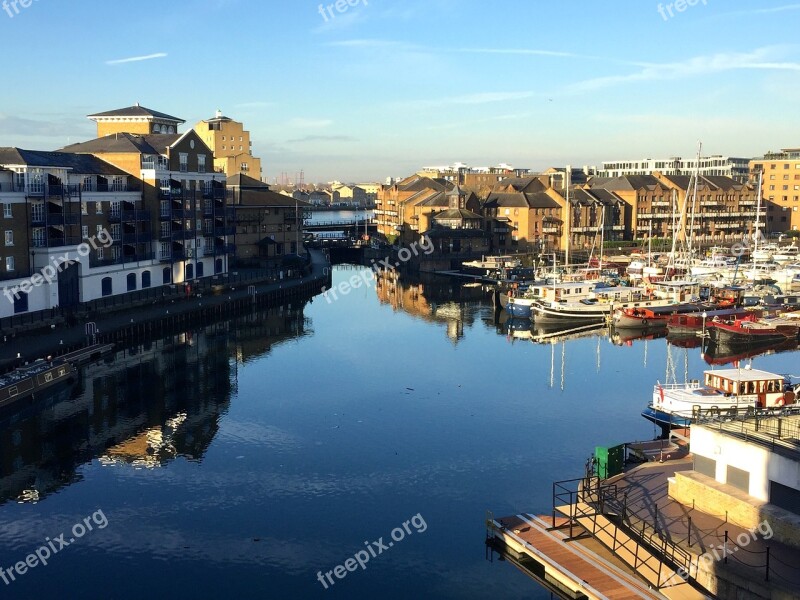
(609, 461)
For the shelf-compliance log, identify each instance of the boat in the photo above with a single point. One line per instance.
(786, 254)
(520, 305)
(689, 324)
(491, 264)
(723, 393)
(750, 330)
(31, 379)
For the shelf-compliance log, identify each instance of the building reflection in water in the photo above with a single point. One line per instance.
(142, 406)
(435, 299)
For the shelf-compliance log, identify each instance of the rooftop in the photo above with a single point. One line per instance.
(135, 111)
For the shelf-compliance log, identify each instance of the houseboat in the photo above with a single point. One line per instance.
(521, 305)
(29, 380)
(724, 392)
(750, 330)
(691, 323)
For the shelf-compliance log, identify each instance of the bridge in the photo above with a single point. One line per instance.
(342, 225)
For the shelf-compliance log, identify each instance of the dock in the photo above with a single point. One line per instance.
(625, 537)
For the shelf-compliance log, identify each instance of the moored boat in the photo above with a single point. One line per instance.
(690, 323)
(747, 331)
(29, 380)
(724, 392)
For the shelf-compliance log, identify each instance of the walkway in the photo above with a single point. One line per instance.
(40, 344)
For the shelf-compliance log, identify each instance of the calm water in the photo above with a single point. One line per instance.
(238, 461)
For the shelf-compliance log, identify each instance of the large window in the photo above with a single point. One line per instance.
(107, 287)
(131, 281)
(145, 279)
(184, 160)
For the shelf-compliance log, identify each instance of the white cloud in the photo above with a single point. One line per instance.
(120, 61)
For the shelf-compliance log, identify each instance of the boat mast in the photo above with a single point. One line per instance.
(694, 201)
(756, 232)
(568, 211)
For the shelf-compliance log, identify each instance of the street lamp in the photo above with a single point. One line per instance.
(703, 339)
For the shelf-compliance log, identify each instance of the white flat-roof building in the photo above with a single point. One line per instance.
(733, 167)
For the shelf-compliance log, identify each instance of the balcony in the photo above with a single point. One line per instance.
(120, 260)
(142, 237)
(183, 234)
(224, 249)
(222, 231)
(136, 215)
(57, 242)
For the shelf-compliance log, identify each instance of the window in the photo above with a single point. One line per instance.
(115, 208)
(184, 160)
(145, 279)
(20, 303)
(7, 211)
(106, 285)
(101, 254)
(131, 281)
(201, 163)
(84, 231)
(10, 263)
(166, 275)
(99, 208)
(9, 238)
(84, 208)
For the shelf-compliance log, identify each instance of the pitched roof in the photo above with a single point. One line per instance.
(77, 163)
(246, 182)
(136, 111)
(154, 143)
(520, 184)
(456, 213)
(521, 199)
(626, 182)
(260, 197)
(581, 197)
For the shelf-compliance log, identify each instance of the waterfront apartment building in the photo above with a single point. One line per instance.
(403, 209)
(231, 145)
(725, 210)
(269, 225)
(780, 186)
(531, 210)
(726, 166)
(75, 229)
(190, 218)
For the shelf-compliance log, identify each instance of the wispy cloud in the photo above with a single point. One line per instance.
(131, 59)
(759, 59)
(322, 138)
(310, 123)
(761, 11)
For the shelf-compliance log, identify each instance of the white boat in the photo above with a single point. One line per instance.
(521, 305)
(493, 263)
(602, 302)
(723, 393)
(786, 254)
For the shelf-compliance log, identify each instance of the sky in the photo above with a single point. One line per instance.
(385, 87)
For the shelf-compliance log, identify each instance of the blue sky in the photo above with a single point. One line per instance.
(386, 87)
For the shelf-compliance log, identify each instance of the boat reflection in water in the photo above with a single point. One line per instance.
(141, 406)
(720, 354)
(626, 337)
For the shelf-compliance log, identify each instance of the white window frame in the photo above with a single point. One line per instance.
(7, 214)
(10, 266)
(9, 237)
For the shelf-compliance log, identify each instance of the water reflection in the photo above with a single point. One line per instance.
(142, 406)
(433, 299)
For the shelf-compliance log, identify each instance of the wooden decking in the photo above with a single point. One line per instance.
(573, 567)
